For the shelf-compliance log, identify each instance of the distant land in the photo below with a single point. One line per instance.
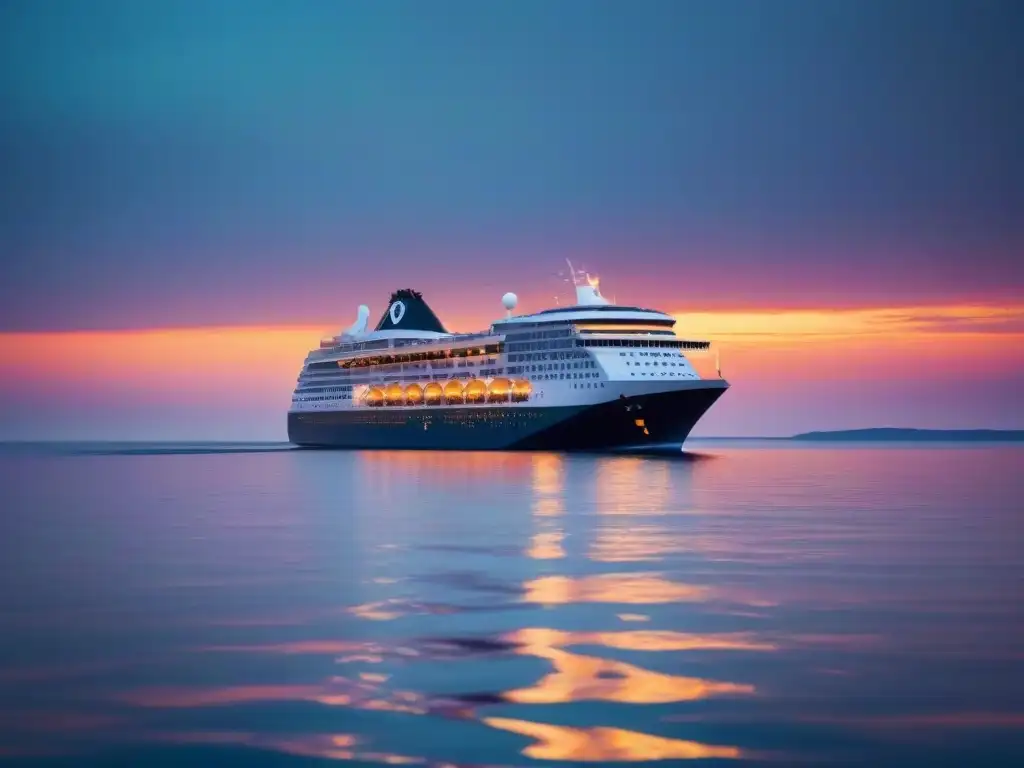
(917, 435)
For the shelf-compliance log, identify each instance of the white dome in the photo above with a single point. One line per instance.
(509, 301)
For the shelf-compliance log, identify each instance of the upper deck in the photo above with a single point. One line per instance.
(404, 350)
(410, 332)
(608, 314)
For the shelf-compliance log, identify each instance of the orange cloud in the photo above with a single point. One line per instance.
(862, 344)
(831, 324)
(244, 364)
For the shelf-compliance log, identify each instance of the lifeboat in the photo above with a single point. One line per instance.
(393, 394)
(414, 394)
(433, 393)
(453, 392)
(476, 391)
(521, 389)
(374, 396)
(498, 391)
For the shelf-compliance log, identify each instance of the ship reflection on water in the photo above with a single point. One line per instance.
(761, 606)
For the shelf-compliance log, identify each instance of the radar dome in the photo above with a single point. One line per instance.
(509, 301)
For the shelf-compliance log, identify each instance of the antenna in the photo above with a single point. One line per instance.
(572, 272)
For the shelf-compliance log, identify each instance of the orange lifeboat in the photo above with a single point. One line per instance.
(498, 391)
(374, 396)
(476, 391)
(453, 392)
(393, 394)
(414, 394)
(433, 393)
(521, 389)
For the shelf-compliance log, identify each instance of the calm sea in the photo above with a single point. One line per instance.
(746, 603)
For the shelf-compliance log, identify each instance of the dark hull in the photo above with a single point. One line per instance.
(634, 422)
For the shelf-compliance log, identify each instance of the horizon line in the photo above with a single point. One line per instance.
(51, 441)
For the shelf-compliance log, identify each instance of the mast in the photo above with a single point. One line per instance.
(572, 273)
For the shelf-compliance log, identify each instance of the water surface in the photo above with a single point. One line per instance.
(745, 604)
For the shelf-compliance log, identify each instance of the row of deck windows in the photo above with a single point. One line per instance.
(409, 357)
(663, 362)
(669, 343)
(312, 390)
(539, 346)
(550, 356)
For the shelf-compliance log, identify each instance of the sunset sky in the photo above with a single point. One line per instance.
(193, 192)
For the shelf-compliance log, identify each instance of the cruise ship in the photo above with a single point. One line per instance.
(588, 377)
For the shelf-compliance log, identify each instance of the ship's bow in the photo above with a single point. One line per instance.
(633, 419)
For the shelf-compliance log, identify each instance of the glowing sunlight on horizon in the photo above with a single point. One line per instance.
(783, 354)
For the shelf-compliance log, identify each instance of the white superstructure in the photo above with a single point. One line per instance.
(587, 353)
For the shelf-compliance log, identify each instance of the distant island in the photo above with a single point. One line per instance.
(917, 435)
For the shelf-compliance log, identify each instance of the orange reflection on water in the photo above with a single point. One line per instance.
(634, 544)
(642, 640)
(547, 488)
(629, 485)
(395, 608)
(628, 588)
(546, 545)
(547, 507)
(446, 469)
(546, 478)
(379, 757)
(375, 611)
(579, 678)
(556, 742)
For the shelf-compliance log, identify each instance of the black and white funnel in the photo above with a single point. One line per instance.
(407, 311)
